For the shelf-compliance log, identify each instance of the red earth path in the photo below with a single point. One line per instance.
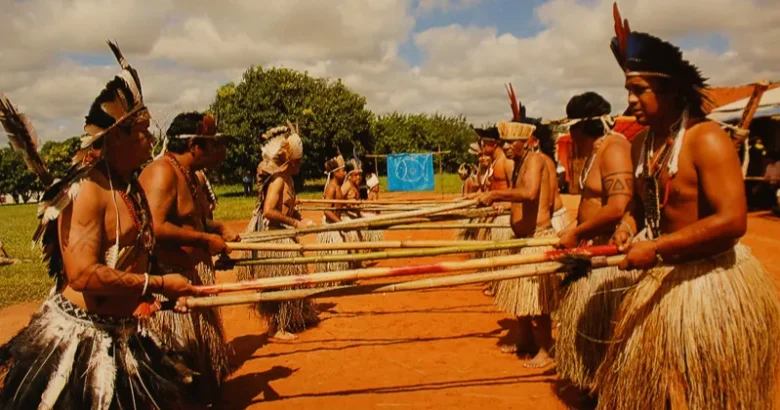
(434, 349)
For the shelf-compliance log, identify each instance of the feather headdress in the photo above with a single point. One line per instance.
(334, 164)
(120, 103)
(490, 133)
(24, 139)
(354, 164)
(283, 145)
(518, 109)
(641, 54)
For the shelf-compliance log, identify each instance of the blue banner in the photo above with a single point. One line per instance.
(410, 172)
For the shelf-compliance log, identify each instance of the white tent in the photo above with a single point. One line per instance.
(768, 107)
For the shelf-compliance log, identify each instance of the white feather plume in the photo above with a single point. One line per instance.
(59, 379)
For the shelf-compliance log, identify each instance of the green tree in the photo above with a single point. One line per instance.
(328, 113)
(400, 133)
(15, 179)
(58, 155)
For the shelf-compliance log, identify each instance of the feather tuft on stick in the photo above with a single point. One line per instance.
(24, 139)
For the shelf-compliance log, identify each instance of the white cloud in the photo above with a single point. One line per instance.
(185, 49)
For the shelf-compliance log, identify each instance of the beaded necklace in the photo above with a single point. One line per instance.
(187, 178)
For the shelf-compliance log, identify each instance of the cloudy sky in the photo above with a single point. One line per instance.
(447, 56)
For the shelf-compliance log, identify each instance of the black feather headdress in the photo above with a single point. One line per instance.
(120, 102)
(642, 54)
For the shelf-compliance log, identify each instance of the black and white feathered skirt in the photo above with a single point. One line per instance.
(67, 358)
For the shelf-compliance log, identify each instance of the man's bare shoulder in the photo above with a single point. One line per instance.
(93, 190)
(710, 140)
(159, 174)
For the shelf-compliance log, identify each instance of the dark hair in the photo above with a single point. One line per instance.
(182, 145)
(185, 123)
(589, 105)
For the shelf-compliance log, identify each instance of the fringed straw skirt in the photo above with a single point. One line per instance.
(290, 316)
(498, 234)
(560, 220)
(699, 335)
(530, 296)
(67, 359)
(198, 337)
(335, 237)
(373, 235)
(586, 315)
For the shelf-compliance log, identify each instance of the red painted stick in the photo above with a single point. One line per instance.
(441, 267)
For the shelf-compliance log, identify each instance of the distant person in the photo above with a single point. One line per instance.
(248, 183)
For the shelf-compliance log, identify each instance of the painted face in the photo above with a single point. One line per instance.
(489, 146)
(647, 98)
(518, 147)
(133, 143)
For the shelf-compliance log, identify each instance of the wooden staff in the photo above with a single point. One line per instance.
(368, 208)
(372, 256)
(289, 233)
(427, 283)
(379, 272)
(414, 227)
(743, 128)
(380, 201)
(315, 247)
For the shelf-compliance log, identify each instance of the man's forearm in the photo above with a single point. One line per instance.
(513, 195)
(99, 279)
(332, 217)
(698, 236)
(602, 223)
(171, 233)
(214, 227)
(277, 216)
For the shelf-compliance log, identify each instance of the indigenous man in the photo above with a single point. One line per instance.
(83, 349)
(353, 180)
(606, 183)
(187, 237)
(700, 330)
(532, 196)
(276, 209)
(337, 174)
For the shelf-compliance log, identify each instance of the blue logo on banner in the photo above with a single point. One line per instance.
(410, 172)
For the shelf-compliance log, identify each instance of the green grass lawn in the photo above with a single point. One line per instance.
(29, 281)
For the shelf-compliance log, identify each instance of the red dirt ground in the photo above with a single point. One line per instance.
(433, 349)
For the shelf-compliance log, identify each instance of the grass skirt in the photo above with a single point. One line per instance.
(290, 316)
(498, 234)
(373, 235)
(699, 335)
(68, 359)
(586, 316)
(198, 337)
(335, 237)
(530, 296)
(560, 220)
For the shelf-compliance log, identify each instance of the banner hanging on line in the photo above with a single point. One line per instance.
(410, 172)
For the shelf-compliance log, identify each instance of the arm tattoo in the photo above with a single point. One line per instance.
(618, 183)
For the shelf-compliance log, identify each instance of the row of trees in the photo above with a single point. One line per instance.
(23, 185)
(330, 117)
(329, 114)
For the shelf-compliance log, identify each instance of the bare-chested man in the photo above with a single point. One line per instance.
(277, 209)
(83, 348)
(500, 166)
(531, 300)
(606, 185)
(468, 175)
(701, 328)
(187, 237)
(335, 168)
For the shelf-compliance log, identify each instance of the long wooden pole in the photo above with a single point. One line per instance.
(379, 272)
(427, 283)
(412, 201)
(429, 226)
(316, 247)
(360, 222)
(409, 253)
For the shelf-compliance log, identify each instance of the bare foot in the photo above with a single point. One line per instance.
(489, 292)
(542, 359)
(509, 349)
(282, 335)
